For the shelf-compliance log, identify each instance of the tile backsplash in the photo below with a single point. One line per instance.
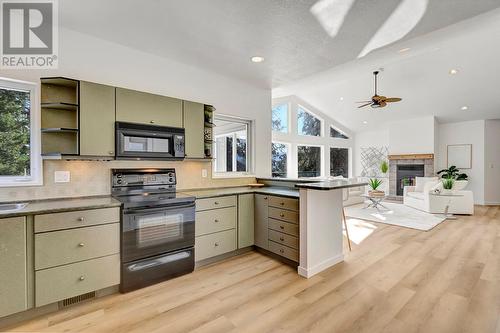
(94, 178)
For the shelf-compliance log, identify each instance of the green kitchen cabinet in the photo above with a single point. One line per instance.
(194, 124)
(13, 263)
(144, 108)
(245, 220)
(97, 119)
(261, 224)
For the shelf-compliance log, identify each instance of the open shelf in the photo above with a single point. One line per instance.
(59, 130)
(60, 81)
(60, 106)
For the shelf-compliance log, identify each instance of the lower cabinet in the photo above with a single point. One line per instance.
(215, 244)
(261, 224)
(245, 220)
(13, 266)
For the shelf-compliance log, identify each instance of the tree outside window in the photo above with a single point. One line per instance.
(307, 123)
(279, 160)
(309, 161)
(280, 118)
(339, 162)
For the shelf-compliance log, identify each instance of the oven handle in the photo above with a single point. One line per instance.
(157, 209)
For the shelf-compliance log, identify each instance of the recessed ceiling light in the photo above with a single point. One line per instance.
(365, 122)
(453, 71)
(465, 107)
(406, 49)
(257, 59)
(341, 98)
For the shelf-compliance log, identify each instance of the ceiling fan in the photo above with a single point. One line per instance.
(378, 101)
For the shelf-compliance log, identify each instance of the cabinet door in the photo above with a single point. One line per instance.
(140, 107)
(261, 227)
(245, 220)
(13, 284)
(97, 119)
(194, 124)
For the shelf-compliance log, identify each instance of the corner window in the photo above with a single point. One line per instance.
(335, 133)
(232, 145)
(20, 160)
(279, 160)
(308, 161)
(280, 118)
(307, 123)
(339, 162)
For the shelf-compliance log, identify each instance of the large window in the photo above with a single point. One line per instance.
(232, 145)
(335, 133)
(280, 118)
(308, 161)
(20, 162)
(339, 162)
(279, 159)
(308, 124)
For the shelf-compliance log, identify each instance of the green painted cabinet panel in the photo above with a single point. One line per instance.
(194, 124)
(261, 225)
(245, 220)
(13, 275)
(140, 107)
(97, 119)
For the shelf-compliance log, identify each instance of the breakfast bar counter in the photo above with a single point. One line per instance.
(321, 235)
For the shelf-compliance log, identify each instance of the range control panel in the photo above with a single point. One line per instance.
(143, 177)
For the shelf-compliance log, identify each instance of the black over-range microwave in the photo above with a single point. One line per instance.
(148, 142)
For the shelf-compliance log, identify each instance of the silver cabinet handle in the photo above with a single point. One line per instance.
(282, 203)
(81, 245)
(216, 244)
(111, 152)
(81, 219)
(282, 227)
(216, 203)
(282, 239)
(81, 278)
(282, 251)
(282, 215)
(265, 198)
(216, 221)
(152, 121)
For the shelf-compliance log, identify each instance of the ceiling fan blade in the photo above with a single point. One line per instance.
(362, 106)
(392, 99)
(364, 102)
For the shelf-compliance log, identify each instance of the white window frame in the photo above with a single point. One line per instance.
(36, 173)
(250, 149)
(288, 116)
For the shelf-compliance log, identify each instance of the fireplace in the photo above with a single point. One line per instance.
(405, 175)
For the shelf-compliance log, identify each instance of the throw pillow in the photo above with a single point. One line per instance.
(420, 182)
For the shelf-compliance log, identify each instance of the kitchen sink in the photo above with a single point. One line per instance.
(12, 207)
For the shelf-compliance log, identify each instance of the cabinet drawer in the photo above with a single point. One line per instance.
(214, 220)
(55, 284)
(284, 251)
(284, 215)
(285, 203)
(68, 246)
(281, 238)
(81, 218)
(218, 202)
(282, 226)
(214, 244)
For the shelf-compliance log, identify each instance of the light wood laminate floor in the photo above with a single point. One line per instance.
(394, 280)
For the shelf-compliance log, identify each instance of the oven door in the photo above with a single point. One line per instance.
(150, 231)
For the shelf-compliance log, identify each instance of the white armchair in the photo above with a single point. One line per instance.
(462, 203)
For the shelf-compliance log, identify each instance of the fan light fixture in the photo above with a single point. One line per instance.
(453, 71)
(465, 107)
(257, 59)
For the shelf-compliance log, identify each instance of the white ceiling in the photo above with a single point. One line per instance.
(420, 76)
(222, 35)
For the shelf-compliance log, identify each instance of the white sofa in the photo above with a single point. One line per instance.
(352, 195)
(420, 197)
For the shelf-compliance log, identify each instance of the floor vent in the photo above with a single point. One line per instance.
(77, 299)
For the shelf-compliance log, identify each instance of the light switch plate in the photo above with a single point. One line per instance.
(62, 176)
(204, 173)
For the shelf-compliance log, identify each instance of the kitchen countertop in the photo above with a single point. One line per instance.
(217, 192)
(331, 185)
(62, 205)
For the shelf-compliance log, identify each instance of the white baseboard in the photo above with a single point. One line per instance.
(490, 203)
(309, 272)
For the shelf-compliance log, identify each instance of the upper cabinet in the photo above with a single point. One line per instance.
(97, 119)
(193, 121)
(140, 107)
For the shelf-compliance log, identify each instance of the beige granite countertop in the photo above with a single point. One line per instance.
(61, 205)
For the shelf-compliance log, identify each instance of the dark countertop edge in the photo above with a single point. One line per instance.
(323, 186)
(244, 189)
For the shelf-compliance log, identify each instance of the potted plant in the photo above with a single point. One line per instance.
(374, 184)
(460, 180)
(448, 184)
(384, 167)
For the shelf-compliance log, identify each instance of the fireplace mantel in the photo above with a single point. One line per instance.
(412, 157)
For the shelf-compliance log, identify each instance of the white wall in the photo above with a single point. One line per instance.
(492, 162)
(412, 136)
(88, 58)
(368, 139)
(467, 132)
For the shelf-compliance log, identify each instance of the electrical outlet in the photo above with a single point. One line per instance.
(62, 177)
(204, 173)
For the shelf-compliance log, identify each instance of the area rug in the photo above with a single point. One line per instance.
(396, 214)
